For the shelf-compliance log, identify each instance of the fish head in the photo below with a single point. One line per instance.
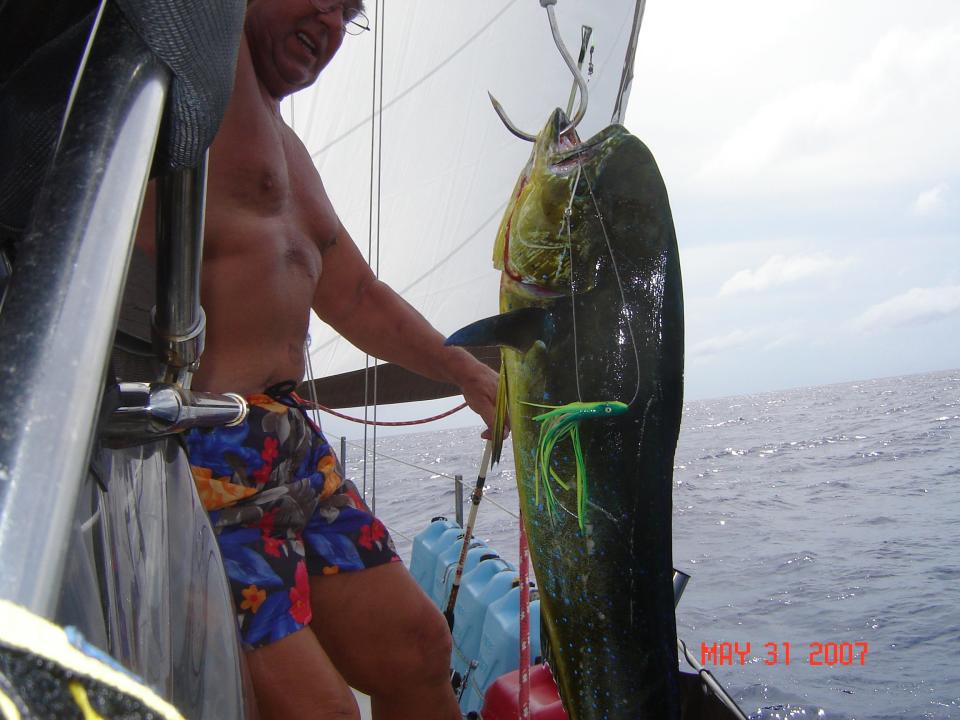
(537, 240)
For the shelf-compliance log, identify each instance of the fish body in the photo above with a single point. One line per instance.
(591, 330)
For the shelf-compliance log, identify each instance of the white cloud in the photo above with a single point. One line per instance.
(785, 340)
(916, 306)
(722, 343)
(931, 201)
(890, 118)
(782, 270)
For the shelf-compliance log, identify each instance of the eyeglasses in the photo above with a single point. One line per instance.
(354, 19)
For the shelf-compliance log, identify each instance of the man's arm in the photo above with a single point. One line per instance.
(373, 317)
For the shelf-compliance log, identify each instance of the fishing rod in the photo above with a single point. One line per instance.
(475, 498)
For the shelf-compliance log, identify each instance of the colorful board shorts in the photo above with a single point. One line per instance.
(281, 512)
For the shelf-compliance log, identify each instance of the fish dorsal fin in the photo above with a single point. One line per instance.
(518, 329)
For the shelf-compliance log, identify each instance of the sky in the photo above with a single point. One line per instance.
(812, 156)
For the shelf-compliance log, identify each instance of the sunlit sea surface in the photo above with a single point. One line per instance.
(823, 515)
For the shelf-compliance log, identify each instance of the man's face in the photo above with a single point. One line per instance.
(291, 41)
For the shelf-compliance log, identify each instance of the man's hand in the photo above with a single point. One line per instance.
(480, 392)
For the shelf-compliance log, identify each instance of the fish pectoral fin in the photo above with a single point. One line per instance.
(517, 329)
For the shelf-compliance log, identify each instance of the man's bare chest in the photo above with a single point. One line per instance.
(250, 169)
(269, 179)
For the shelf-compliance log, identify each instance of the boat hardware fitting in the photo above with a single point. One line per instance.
(151, 410)
(578, 77)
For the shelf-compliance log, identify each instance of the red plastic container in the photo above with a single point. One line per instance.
(502, 700)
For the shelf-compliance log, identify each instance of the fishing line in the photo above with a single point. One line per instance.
(573, 307)
(616, 272)
(561, 422)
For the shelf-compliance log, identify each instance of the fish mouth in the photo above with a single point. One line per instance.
(532, 250)
(553, 133)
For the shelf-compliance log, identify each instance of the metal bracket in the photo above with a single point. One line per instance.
(179, 353)
(148, 411)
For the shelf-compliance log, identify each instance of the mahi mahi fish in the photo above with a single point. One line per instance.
(591, 335)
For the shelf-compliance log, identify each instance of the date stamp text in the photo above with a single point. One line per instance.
(784, 653)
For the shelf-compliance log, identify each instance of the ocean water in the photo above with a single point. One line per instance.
(825, 518)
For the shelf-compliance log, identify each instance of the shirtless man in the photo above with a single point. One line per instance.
(274, 248)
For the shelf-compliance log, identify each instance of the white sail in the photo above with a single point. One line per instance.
(446, 164)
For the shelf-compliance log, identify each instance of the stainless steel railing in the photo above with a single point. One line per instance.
(61, 307)
(58, 319)
(158, 582)
(178, 319)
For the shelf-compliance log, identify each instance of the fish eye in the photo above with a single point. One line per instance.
(608, 409)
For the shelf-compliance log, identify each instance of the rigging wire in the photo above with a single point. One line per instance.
(494, 216)
(406, 91)
(383, 14)
(394, 531)
(626, 78)
(433, 471)
(373, 193)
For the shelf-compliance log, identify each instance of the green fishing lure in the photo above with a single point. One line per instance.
(558, 423)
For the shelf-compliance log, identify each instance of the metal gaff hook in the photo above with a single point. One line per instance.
(568, 59)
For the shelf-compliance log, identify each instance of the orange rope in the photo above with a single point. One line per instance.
(382, 423)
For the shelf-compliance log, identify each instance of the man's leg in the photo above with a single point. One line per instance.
(388, 640)
(294, 678)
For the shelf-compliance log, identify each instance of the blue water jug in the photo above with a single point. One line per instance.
(500, 645)
(472, 604)
(446, 567)
(475, 554)
(427, 545)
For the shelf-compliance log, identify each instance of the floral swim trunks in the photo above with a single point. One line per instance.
(281, 513)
